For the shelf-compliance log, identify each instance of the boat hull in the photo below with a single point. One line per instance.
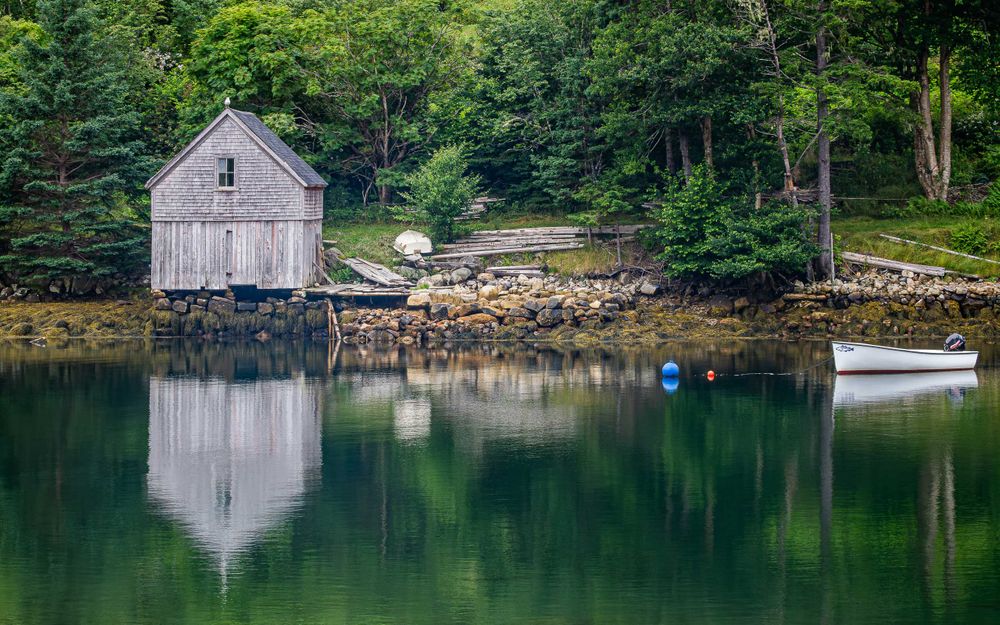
(861, 358)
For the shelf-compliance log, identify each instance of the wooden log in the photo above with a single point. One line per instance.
(805, 297)
(530, 273)
(511, 250)
(580, 231)
(939, 249)
(894, 265)
(498, 267)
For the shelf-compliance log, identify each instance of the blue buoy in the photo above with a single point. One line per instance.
(670, 370)
(670, 385)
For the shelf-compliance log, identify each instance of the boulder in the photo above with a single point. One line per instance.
(740, 303)
(649, 288)
(247, 306)
(497, 312)
(409, 272)
(555, 301)
(477, 319)
(489, 292)
(720, 304)
(534, 305)
(549, 317)
(180, 306)
(440, 311)
(265, 308)
(438, 279)
(418, 300)
(460, 275)
(162, 303)
(221, 305)
(83, 285)
(463, 310)
(521, 312)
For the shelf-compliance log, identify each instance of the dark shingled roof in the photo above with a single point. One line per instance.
(280, 148)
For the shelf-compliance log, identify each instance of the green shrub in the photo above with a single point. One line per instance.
(970, 238)
(438, 193)
(705, 234)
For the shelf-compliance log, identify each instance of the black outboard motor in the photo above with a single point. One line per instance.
(954, 343)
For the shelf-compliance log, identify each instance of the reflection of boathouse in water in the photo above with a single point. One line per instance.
(231, 460)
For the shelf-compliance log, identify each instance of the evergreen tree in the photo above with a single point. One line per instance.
(72, 158)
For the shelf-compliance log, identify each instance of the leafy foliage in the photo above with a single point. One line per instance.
(706, 234)
(439, 191)
(970, 238)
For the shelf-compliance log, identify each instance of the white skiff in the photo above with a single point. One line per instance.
(864, 358)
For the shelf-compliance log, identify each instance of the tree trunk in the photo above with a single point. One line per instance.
(384, 194)
(924, 150)
(944, 139)
(706, 137)
(823, 148)
(668, 150)
(682, 140)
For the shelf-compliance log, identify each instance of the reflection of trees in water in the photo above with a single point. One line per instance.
(655, 508)
(231, 460)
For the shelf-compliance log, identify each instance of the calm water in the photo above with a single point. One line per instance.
(186, 483)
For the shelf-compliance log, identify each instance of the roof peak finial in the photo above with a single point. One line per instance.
(226, 102)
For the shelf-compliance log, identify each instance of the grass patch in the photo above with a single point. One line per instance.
(597, 258)
(371, 241)
(861, 234)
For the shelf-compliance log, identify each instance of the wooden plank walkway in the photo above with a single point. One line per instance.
(376, 272)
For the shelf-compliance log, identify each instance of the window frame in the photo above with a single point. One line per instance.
(235, 159)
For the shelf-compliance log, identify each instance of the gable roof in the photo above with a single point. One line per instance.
(263, 137)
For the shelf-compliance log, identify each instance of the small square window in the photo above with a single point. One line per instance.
(226, 169)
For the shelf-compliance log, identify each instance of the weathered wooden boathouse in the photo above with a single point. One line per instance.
(236, 208)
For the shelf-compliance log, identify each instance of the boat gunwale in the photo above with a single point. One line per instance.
(903, 349)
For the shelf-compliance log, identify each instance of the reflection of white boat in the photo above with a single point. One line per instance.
(861, 389)
(864, 358)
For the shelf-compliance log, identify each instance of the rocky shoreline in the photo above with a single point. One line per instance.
(486, 307)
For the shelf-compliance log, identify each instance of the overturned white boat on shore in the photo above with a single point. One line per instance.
(862, 358)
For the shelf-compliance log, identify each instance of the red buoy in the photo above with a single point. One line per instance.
(711, 375)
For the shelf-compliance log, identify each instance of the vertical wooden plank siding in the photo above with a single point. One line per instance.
(265, 254)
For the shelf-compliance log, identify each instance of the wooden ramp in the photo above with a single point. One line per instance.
(376, 273)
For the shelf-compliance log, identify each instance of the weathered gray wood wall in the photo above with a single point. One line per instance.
(217, 254)
(266, 233)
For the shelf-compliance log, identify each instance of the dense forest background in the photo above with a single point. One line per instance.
(753, 118)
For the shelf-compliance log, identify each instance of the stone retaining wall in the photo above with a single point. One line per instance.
(205, 314)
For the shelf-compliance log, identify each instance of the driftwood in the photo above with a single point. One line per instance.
(939, 249)
(375, 272)
(894, 265)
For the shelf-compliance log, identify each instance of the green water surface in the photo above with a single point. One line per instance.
(181, 482)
